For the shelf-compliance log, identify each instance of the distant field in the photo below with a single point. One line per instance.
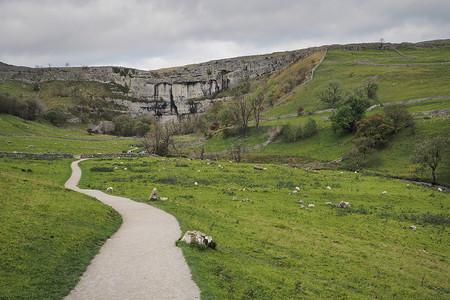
(270, 248)
(32, 144)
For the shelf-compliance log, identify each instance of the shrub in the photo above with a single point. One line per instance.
(102, 169)
(299, 110)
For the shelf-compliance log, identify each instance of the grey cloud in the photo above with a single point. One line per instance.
(151, 34)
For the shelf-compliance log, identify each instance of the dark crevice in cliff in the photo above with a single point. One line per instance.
(173, 107)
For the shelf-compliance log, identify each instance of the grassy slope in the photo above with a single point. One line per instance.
(14, 125)
(395, 83)
(270, 248)
(49, 234)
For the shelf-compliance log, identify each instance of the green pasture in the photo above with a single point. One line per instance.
(49, 234)
(396, 83)
(270, 248)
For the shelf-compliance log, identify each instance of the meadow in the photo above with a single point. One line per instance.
(269, 247)
(49, 234)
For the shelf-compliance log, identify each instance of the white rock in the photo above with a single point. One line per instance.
(383, 193)
(196, 183)
(297, 188)
(413, 227)
(198, 171)
(109, 188)
(235, 198)
(329, 188)
(295, 192)
(311, 205)
(439, 189)
(328, 203)
(125, 169)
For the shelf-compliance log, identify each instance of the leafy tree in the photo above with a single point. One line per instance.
(124, 125)
(57, 115)
(376, 128)
(368, 90)
(225, 116)
(353, 110)
(331, 93)
(293, 132)
(309, 128)
(430, 153)
(398, 116)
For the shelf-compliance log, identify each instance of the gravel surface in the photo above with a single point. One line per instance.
(140, 261)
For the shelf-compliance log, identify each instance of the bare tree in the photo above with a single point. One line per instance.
(430, 153)
(242, 111)
(257, 104)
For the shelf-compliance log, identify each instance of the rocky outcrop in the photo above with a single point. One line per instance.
(170, 92)
(198, 238)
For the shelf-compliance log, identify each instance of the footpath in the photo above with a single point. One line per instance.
(140, 261)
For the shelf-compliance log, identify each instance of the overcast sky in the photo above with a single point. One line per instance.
(153, 34)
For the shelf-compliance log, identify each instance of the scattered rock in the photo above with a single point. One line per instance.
(413, 227)
(301, 201)
(311, 205)
(154, 194)
(303, 207)
(329, 188)
(245, 200)
(297, 188)
(295, 192)
(196, 183)
(383, 193)
(328, 203)
(235, 198)
(439, 189)
(198, 238)
(109, 189)
(30, 147)
(163, 198)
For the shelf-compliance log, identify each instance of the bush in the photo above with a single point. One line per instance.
(28, 109)
(299, 110)
(57, 115)
(102, 169)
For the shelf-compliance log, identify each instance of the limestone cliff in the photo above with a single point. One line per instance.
(166, 92)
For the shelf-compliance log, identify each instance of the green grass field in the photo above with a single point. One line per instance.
(49, 234)
(270, 248)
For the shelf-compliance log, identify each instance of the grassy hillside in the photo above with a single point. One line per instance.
(396, 82)
(52, 139)
(49, 234)
(270, 248)
(414, 78)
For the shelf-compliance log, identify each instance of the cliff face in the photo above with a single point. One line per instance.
(166, 92)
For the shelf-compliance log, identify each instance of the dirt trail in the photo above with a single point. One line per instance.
(140, 261)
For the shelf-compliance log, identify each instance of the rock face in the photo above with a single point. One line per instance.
(198, 238)
(170, 92)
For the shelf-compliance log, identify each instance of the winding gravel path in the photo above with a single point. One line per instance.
(140, 261)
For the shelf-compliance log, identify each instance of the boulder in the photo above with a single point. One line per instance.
(197, 238)
(259, 168)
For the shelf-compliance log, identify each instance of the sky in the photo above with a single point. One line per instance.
(154, 34)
